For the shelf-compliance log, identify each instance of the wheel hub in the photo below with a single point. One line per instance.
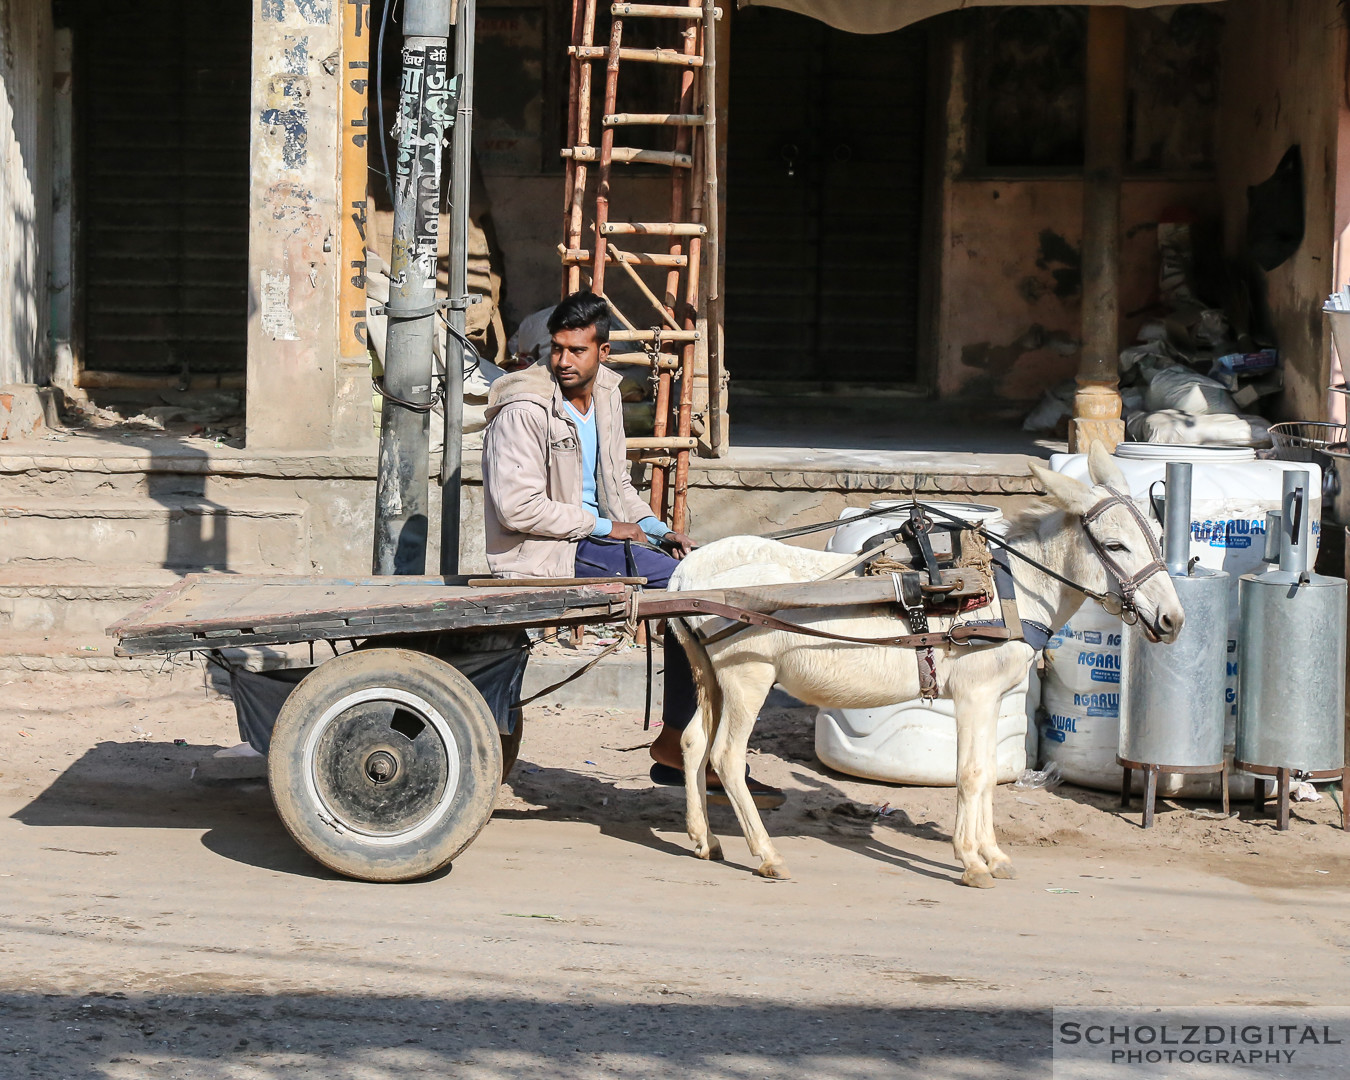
(381, 766)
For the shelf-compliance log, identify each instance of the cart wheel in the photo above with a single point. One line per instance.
(384, 764)
(511, 746)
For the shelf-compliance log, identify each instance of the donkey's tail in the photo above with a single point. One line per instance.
(705, 681)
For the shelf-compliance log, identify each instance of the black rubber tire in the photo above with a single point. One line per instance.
(511, 746)
(309, 755)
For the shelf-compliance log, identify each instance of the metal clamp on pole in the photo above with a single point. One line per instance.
(454, 303)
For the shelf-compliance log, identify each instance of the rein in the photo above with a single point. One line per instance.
(1116, 603)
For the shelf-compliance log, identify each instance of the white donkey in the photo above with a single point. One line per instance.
(1088, 535)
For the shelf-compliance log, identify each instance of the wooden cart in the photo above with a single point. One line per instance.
(385, 760)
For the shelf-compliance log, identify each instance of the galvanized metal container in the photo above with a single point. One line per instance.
(1172, 696)
(1291, 655)
(1291, 671)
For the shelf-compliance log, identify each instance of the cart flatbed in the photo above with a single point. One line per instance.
(212, 611)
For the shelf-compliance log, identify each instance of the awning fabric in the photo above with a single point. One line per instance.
(883, 16)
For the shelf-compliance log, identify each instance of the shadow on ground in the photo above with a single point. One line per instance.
(156, 785)
(376, 1037)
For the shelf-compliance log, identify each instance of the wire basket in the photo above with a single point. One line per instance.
(1298, 440)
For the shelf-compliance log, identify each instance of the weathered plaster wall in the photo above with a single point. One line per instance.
(527, 218)
(294, 256)
(1010, 299)
(1284, 84)
(25, 189)
(1008, 312)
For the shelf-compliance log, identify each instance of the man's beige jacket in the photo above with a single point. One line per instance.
(532, 513)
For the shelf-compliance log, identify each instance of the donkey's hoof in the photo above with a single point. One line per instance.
(775, 870)
(711, 851)
(1005, 871)
(978, 879)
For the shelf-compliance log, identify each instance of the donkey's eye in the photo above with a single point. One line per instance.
(1114, 545)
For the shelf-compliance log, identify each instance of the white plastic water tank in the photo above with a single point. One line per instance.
(914, 742)
(1231, 491)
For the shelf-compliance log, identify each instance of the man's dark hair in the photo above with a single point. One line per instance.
(580, 310)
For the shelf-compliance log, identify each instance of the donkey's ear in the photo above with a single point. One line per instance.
(1103, 469)
(1070, 495)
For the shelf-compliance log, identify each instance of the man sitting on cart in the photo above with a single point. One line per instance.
(559, 502)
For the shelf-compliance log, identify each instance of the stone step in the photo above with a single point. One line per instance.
(176, 532)
(44, 601)
(617, 682)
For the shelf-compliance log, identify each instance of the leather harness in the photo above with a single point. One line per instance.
(915, 596)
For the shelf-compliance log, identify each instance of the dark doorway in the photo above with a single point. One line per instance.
(162, 92)
(824, 190)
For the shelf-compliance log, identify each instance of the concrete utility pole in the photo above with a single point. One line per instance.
(426, 104)
(461, 139)
(1097, 405)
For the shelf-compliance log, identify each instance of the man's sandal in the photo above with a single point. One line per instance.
(763, 796)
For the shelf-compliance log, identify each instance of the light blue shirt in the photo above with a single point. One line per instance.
(590, 443)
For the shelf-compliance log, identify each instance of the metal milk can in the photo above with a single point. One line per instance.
(1291, 656)
(1172, 696)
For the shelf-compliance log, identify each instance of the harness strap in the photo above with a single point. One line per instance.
(961, 634)
(1034, 633)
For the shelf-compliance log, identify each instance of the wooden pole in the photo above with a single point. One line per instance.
(716, 92)
(580, 134)
(574, 67)
(606, 156)
(1097, 405)
(679, 197)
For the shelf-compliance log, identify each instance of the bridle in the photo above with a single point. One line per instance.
(1128, 584)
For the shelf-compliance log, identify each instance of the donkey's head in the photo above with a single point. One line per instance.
(1120, 554)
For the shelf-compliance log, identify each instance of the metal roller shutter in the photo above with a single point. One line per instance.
(824, 189)
(164, 108)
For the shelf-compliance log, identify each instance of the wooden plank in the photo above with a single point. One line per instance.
(653, 228)
(653, 119)
(328, 608)
(167, 641)
(649, 56)
(652, 335)
(630, 155)
(665, 442)
(575, 256)
(661, 11)
(548, 583)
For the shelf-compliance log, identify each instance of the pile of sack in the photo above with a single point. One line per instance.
(1190, 377)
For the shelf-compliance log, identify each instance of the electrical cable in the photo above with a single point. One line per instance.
(379, 98)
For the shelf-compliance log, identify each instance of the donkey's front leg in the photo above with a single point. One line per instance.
(976, 773)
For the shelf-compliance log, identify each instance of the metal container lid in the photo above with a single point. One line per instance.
(1287, 579)
(1196, 455)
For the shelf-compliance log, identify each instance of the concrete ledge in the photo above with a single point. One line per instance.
(90, 452)
(747, 467)
(880, 471)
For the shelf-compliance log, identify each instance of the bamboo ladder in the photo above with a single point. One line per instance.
(680, 320)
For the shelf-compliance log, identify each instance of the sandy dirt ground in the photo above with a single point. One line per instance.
(156, 920)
